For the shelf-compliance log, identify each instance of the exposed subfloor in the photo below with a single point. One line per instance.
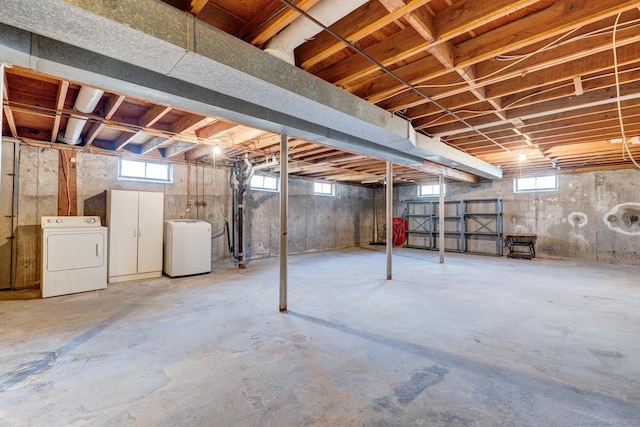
(476, 341)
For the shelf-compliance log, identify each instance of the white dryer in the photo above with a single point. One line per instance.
(74, 256)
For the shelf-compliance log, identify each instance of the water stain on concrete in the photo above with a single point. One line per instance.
(604, 353)
(22, 369)
(419, 381)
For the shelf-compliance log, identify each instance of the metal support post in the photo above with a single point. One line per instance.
(1, 107)
(284, 206)
(441, 220)
(389, 217)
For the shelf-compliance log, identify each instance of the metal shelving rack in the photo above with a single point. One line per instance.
(419, 216)
(483, 226)
(471, 226)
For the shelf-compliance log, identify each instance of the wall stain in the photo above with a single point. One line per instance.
(624, 218)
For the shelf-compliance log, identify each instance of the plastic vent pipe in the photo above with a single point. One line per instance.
(86, 102)
(301, 30)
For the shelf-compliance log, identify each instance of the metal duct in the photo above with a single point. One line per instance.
(327, 11)
(86, 102)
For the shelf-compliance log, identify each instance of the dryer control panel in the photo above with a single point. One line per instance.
(70, 221)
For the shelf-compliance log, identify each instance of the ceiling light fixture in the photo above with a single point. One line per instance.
(522, 157)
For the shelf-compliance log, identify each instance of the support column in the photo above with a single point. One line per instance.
(1, 109)
(389, 237)
(284, 206)
(441, 220)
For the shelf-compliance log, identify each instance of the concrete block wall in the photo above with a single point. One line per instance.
(584, 219)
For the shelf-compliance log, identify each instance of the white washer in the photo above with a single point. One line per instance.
(187, 247)
(74, 256)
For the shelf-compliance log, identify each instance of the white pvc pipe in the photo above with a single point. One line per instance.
(327, 12)
(86, 102)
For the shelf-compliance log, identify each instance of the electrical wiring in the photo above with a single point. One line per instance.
(480, 112)
(595, 33)
(392, 74)
(625, 145)
(498, 71)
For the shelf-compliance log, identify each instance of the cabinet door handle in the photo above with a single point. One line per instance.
(139, 233)
(98, 251)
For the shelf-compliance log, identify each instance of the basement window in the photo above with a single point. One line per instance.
(263, 182)
(324, 189)
(430, 190)
(536, 183)
(141, 170)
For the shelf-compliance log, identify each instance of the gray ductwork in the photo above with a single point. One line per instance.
(172, 58)
(327, 11)
(86, 102)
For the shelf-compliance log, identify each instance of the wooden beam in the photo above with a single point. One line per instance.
(397, 47)
(504, 39)
(177, 148)
(200, 153)
(152, 144)
(123, 139)
(215, 129)
(272, 19)
(63, 88)
(360, 23)
(8, 114)
(67, 183)
(152, 115)
(423, 23)
(196, 6)
(455, 174)
(190, 123)
(114, 102)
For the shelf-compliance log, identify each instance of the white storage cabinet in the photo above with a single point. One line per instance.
(135, 221)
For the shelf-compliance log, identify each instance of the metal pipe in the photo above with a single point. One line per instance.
(284, 206)
(1, 113)
(389, 217)
(441, 220)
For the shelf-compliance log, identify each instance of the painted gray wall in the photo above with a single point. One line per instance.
(552, 215)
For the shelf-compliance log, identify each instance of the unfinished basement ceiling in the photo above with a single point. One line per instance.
(556, 80)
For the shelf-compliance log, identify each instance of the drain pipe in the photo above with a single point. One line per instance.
(299, 31)
(243, 171)
(86, 102)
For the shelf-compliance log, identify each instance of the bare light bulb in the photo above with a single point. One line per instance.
(522, 157)
(216, 150)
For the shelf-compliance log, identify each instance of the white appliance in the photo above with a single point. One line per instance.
(135, 234)
(187, 247)
(74, 256)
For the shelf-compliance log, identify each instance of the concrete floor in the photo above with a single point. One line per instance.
(477, 341)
